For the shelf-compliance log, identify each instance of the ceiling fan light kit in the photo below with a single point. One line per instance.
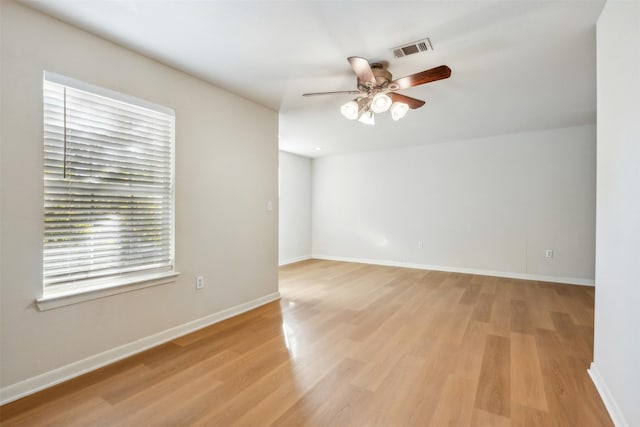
(377, 91)
(368, 118)
(362, 110)
(398, 110)
(380, 103)
(350, 110)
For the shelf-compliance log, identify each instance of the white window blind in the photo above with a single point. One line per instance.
(108, 185)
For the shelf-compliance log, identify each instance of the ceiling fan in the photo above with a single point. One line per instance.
(377, 91)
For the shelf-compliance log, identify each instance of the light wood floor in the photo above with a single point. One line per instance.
(358, 345)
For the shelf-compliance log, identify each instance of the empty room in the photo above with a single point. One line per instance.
(319, 213)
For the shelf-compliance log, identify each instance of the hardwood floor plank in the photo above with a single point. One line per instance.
(191, 409)
(486, 419)
(527, 383)
(391, 404)
(423, 394)
(525, 416)
(541, 319)
(468, 362)
(303, 411)
(573, 339)
(500, 323)
(591, 409)
(31, 410)
(494, 386)
(568, 404)
(470, 295)
(356, 345)
(483, 307)
(164, 392)
(168, 408)
(460, 390)
(380, 363)
(520, 317)
(309, 369)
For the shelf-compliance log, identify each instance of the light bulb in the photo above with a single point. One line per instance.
(350, 110)
(398, 110)
(367, 118)
(380, 103)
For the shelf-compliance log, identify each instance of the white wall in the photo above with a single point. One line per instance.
(491, 204)
(226, 163)
(617, 317)
(294, 228)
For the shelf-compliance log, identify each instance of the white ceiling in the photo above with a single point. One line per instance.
(516, 65)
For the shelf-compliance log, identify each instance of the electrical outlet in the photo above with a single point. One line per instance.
(199, 282)
(548, 253)
(419, 244)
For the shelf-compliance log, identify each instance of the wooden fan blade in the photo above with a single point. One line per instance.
(413, 103)
(426, 76)
(362, 69)
(352, 92)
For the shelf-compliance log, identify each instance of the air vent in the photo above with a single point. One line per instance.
(412, 48)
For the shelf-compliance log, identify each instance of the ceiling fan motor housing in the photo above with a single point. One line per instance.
(382, 76)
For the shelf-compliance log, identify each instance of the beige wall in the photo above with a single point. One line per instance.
(226, 171)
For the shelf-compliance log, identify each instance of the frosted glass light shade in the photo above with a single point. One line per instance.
(398, 110)
(367, 118)
(350, 110)
(380, 103)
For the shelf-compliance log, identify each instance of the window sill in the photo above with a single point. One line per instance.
(58, 299)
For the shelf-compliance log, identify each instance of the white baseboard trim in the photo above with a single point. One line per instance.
(480, 272)
(607, 398)
(296, 259)
(64, 373)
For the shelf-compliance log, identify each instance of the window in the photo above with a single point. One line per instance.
(108, 188)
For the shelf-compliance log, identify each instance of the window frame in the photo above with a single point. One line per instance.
(83, 290)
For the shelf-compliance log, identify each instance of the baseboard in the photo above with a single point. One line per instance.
(607, 398)
(64, 373)
(296, 259)
(511, 275)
